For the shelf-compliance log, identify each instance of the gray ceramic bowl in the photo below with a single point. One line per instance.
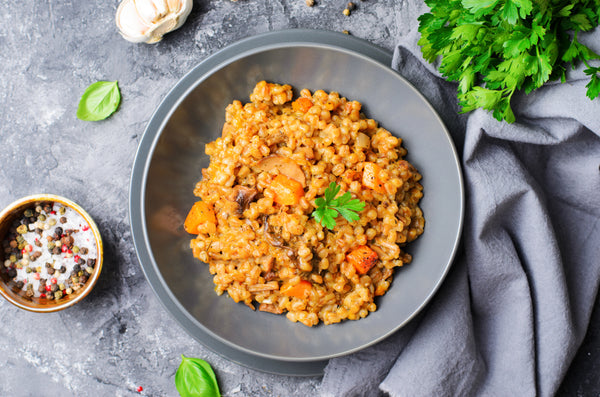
(171, 155)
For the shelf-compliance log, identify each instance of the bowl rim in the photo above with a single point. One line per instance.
(231, 53)
(45, 197)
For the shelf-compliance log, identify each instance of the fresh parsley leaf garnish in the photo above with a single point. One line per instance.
(594, 85)
(494, 48)
(329, 207)
(100, 100)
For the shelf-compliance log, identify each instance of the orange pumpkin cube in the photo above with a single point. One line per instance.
(362, 258)
(199, 213)
(372, 177)
(300, 290)
(286, 190)
(302, 104)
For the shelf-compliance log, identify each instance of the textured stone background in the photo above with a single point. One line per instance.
(120, 337)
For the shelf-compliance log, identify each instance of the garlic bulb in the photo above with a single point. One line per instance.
(148, 20)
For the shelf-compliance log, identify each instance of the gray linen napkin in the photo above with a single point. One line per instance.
(516, 304)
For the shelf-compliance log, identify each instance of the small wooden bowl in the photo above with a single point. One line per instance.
(9, 290)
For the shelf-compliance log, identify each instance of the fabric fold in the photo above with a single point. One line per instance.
(516, 303)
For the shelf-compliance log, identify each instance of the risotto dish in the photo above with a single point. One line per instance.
(305, 207)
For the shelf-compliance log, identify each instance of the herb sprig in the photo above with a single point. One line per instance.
(494, 48)
(329, 207)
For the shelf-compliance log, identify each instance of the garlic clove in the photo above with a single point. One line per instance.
(174, 5)
(131, 24)
(149, 12)
(161, 30)
(148, 20)
(146, 11)
(161, 6)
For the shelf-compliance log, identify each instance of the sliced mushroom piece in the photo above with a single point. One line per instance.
(243, 196)
(276, 241)
(282, 165)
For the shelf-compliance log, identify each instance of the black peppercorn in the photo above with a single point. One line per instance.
(62, 269)
(58, 231)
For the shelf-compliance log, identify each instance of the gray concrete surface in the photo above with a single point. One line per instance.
(120, 337)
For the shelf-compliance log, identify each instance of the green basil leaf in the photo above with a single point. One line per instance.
(195, 378)
(100, 100)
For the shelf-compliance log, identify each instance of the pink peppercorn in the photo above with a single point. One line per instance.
(64, 248)
(140, 389)
(48, 288)
(53, 280)
(36, 276)
(85, 228)
(76, 258)
(42, 295)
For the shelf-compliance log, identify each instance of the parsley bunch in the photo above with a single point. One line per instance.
(328, 207)
(493, 48)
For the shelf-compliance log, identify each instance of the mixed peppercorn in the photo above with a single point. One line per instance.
(49, 252)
